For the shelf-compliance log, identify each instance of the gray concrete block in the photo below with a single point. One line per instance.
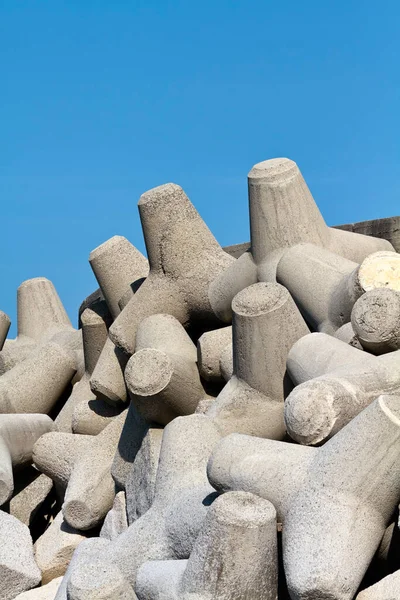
(54, 549)
(234, 556)
(318, 408)
(18, 434)
(283, 214)
(266, 323)
(141, 480)
(117, 264)
(162, 376)
(4, 327)
(116, 520)
(29, 498)
(375, 319)
(184, 258)
(386, 589)
(18, 570)
(210, 347)
(337, 497)
(46, 592)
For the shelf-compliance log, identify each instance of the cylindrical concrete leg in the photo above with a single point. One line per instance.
(210, 347)
(34, 385)
(117, 264)
(376, 320)
(235, 554)
(107, 380)
(90, 581)
(39, 308)
(352, 490)
(95, 323)
(4, 327)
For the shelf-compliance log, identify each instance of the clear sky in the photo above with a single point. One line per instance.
(103, 100)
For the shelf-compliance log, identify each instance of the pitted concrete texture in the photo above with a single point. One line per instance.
(46, 592)
(54, 549)
(18, 570)
(4, 327)
(18, 435)
(283, 214)
(184, 258)
(375, 320)
(266, 323)
(234, 556)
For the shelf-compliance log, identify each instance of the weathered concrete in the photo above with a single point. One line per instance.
(83, 412)
(170, 527)
(375, 319)
(35, 385)
(4, 327)
(386, 589)
(91, 490)
(268, 468)
(162, 376)
(346, 334)
(46, 592)
(31, 494)
(337, 498)
(116, 520)
(266, 323)
(235, 556)
(141, 480)
(210, 347)
(184, 258)
(282, 214)
(118, 267)
(387, 229)
(18, 434)
(18, 570)
(318, 408)
(56, 453)
(54, 549)
(89, 581)
(323, 490)
(117, 264)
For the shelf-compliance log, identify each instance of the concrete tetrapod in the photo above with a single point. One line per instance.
(116, 520)
(318, 408)
(4, 327)
(18, 570)
(84, 412)
(18, 434)
(162, 376)
(349, 488)
(283, 213)
(210, 347)
(184, 258)
(91, 490)
(326, 285)
(170, 527)
(35, 384)
(387, 588)
(351, 491)
(376, 320)
(40, 316)
(54, 549)
(266, 323)
(120, 269)
(46, 592)
(234, 557)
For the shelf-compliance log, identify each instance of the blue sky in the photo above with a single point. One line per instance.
(101, 101)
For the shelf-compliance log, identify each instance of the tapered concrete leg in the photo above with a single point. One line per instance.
(376, 320)
(91, 490)
(117, 264)
(386, 589)
(337, 498)
(39, 309)
(184, 258)
(18, 434)
(107, 381)
(266, 324)
(235, 556)
(273, 470)
(210, 347)
(89, 581)
(34, 385)
(4, 327)
(317, 409)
